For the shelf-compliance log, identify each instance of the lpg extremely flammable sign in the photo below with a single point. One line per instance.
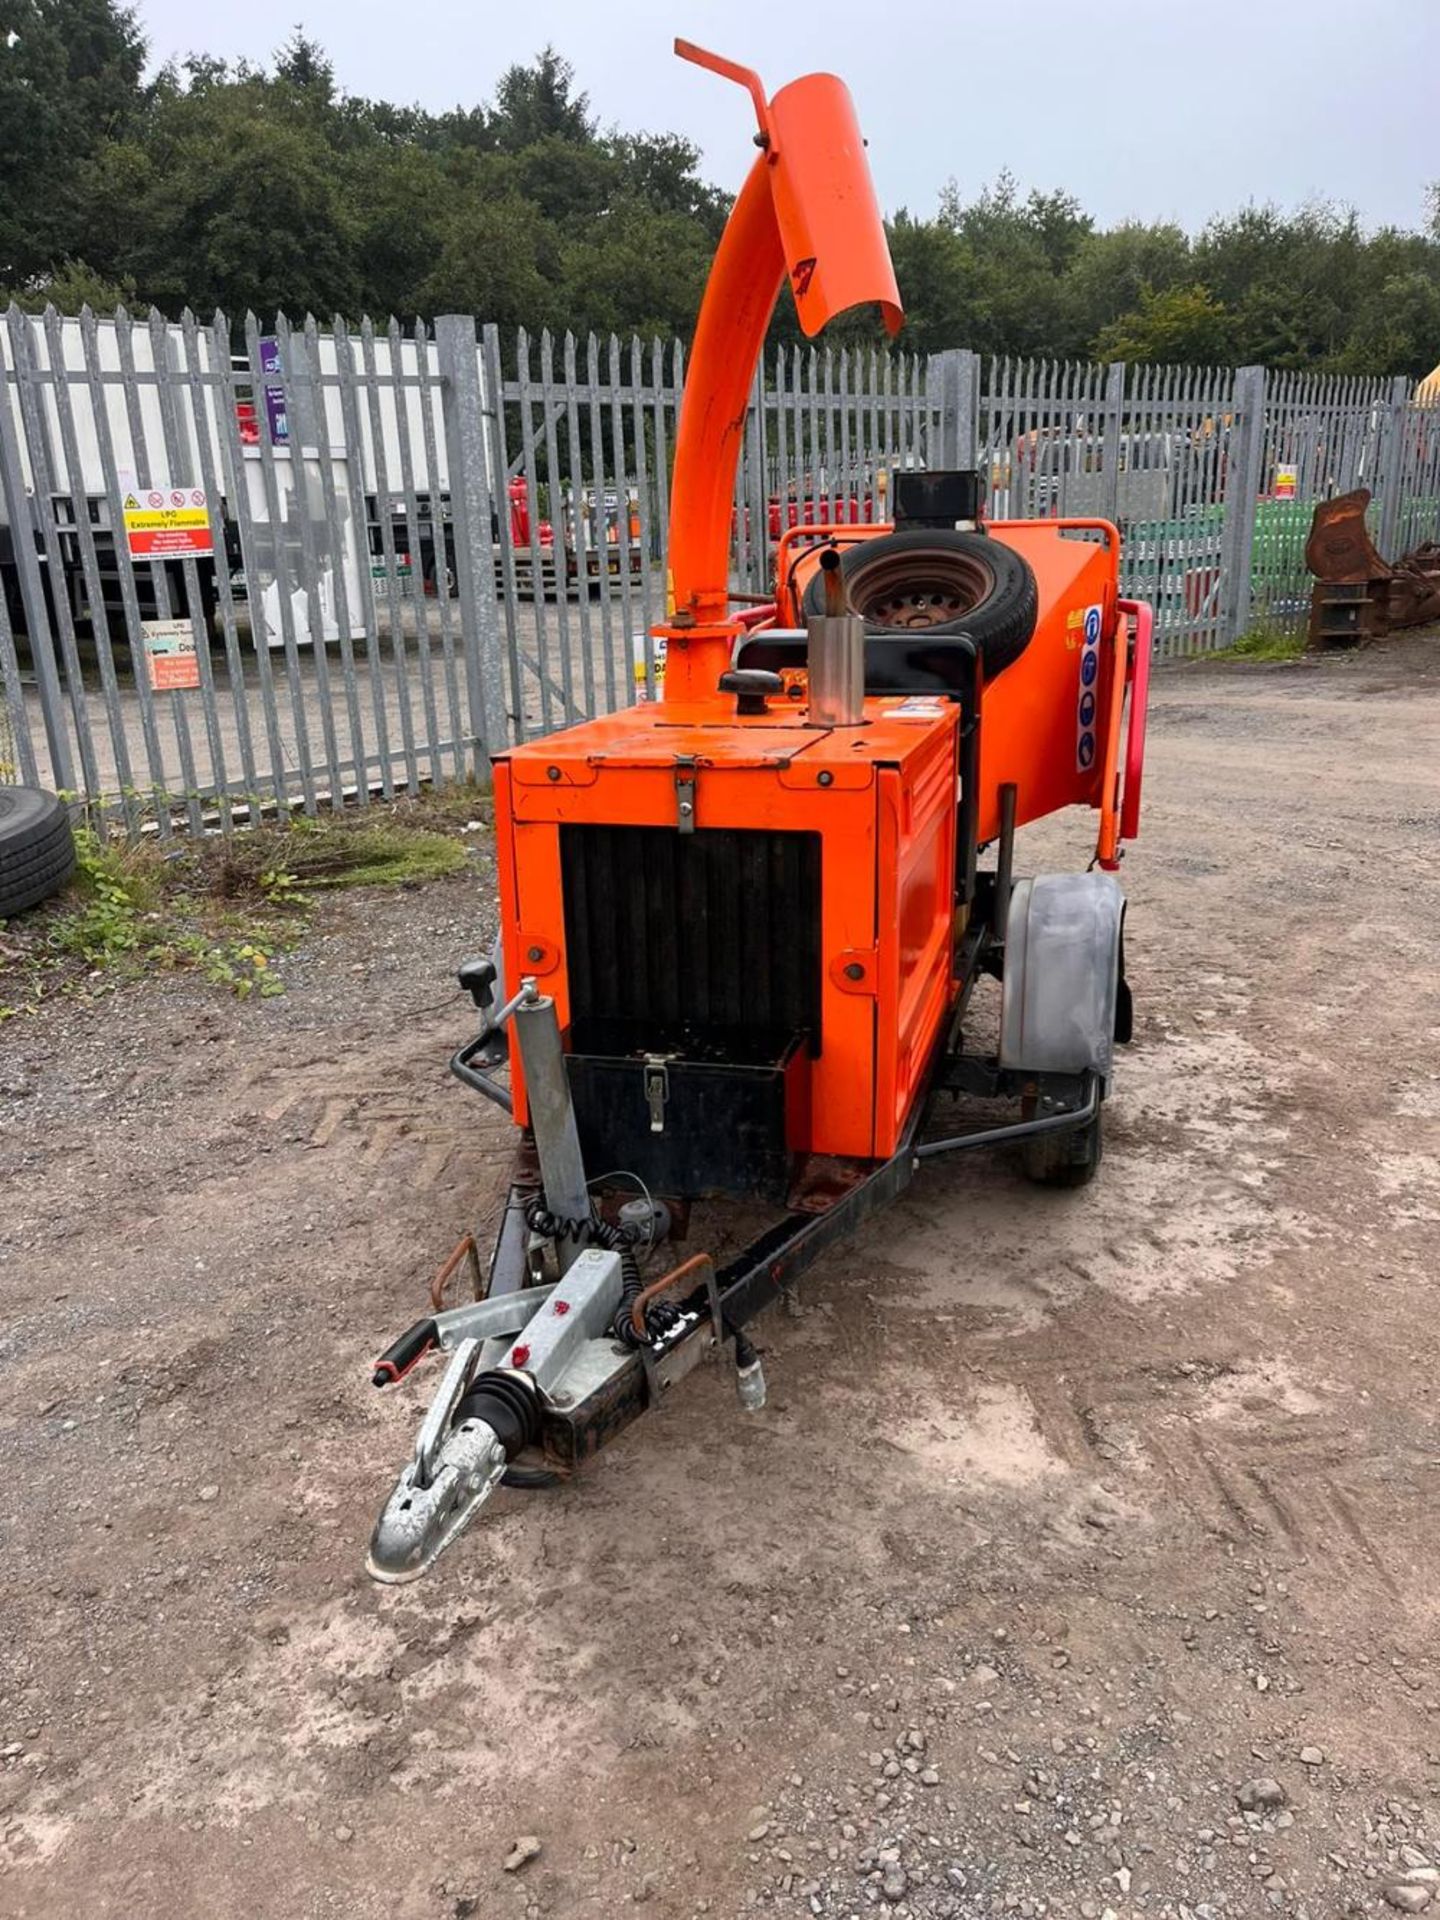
(163, 522)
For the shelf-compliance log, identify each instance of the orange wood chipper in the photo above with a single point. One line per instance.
(741, 925)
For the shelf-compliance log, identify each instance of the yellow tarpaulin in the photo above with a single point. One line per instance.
(1427, 394)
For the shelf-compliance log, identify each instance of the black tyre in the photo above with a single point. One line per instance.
(1064, 1159)
(37, 848)
(940, 583)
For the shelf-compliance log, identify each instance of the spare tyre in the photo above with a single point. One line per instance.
(37, 848)
(940, 582)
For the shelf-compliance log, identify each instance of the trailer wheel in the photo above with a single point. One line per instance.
(1064, 1159)
(940, 583)
(37, 848)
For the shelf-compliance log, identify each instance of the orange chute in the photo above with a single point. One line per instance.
(807, 213)
(836, 252)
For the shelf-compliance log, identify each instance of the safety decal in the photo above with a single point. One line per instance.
(172, 521)
(1085, 698)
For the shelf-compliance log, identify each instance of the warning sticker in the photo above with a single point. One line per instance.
(162, 522)
(637, 658)
(171, 655)
(1085, 698)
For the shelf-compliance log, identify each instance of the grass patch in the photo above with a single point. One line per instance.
(131, 911)
(1262, 644)
(225, 909)
(292, 860)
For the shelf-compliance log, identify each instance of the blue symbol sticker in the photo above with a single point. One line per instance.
(1089, 667)
(1092, 626)
(1087, 709)
(1085, 749)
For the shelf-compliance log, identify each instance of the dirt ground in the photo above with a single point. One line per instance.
(1074, 1520)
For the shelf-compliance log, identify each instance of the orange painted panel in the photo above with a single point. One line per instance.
(1032, 727)
(916, 889)
(891, 781)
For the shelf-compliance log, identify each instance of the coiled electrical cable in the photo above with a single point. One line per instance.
(605, 1234)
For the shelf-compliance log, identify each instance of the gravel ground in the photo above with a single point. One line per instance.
(1083, 1562)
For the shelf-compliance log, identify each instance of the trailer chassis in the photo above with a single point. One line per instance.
(574, 1401)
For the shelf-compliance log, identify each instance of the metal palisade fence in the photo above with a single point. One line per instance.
(250, 570)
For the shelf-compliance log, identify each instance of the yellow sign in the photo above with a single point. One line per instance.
(163, 522)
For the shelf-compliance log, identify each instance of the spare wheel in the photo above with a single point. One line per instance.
(940, 582)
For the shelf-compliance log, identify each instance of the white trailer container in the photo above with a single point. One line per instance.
(115, 405)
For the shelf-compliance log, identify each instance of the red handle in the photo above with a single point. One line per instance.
(1144, 617)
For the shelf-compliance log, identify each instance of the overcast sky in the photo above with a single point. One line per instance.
(1149, 108)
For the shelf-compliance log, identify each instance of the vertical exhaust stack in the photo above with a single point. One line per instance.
(836, 658)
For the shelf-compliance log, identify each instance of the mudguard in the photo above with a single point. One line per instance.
(1062, 974)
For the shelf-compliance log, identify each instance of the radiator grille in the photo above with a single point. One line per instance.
(692, 940)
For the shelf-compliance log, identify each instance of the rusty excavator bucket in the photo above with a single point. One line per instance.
(1414, 592)
(1339, 550)
(1360, 596)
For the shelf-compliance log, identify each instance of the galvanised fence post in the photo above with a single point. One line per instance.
(1113, 408)
(952, 384)
(1392, 471)
(19, 513)
(463, 403)
(1244, 449)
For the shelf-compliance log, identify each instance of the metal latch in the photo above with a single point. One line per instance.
(657, 1090)
(684, 796)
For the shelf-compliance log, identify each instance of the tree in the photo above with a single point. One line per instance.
(1010, 294)
(1181, 326)
(302, 64)
(398, 200)
(69, 84)
(634, 270)
(228, 196)
(221, 183)
(1291, 281)
(539, 102)
(1397, 329)
(496, 259)
(72, 286)
(1111, 271)
(660, 169)
(1059, 227)
(569, 184)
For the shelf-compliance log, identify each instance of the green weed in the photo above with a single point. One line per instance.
(224, 907)
(131, 910)
(106, 922)
(286, 863)
(1263, 644)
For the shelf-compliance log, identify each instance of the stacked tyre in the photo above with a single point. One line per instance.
(37, 848)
